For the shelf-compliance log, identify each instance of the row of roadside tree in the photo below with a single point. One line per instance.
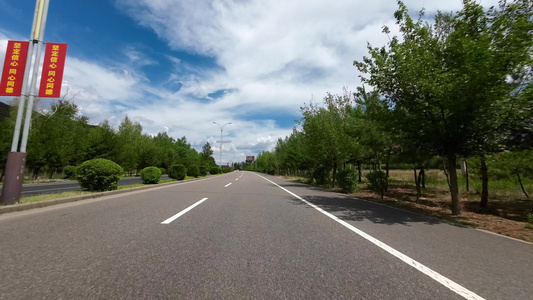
(444, 92)
(61, 137)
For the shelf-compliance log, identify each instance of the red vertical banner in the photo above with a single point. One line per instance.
(13, 71)
(53, 66)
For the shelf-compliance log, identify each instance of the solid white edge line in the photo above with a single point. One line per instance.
(450, 284)
(227, 184)
(174, 217)
(503, 236)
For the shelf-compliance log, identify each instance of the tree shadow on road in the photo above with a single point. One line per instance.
(353, 209)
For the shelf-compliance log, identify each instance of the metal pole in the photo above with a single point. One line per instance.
(220, 156)
(25, 92)
(38, 38)
(16, 161)
(221, 141)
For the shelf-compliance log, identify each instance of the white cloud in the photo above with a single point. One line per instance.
(273, 56)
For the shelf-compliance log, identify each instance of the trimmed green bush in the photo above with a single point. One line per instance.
(320, 175)
(69, 172)
(203, 170)
(215, 170)
(163, 171)
(193, 171)
(177, 172)
(377, 182)
(151, 175)
(347, 180)
(99, 174)
(227, 170)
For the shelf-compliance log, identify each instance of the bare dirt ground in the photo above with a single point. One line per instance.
(506, 218)
(506, 215)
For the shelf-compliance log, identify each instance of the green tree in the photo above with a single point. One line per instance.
(165, 144)
(129, 137)
(206, 156)
(323, 127)
(369, 122)
(102, 140)
(455, 85)
(7, 127)
(58, 138)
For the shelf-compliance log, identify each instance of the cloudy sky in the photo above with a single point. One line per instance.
(179, 65)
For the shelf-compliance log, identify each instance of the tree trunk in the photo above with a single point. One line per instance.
(334, 173)
(454, 189)
(446, 173)
(417, 182)
(422, 175)
(521, 185)
(466, 177)
(387, 164)
(418, 188)
(360, 171)
(484, 203)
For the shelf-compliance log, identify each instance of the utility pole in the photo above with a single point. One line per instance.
(16, 160)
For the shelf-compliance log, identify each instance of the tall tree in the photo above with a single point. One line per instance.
(129, 137)
(324, 133)
(454, 85)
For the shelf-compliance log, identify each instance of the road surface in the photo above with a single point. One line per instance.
(244, 235)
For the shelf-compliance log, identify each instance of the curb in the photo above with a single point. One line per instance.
(32, 205)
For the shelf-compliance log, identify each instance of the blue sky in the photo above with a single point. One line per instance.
(179, 65)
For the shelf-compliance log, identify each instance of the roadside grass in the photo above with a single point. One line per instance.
(45, 197)
(509, 213)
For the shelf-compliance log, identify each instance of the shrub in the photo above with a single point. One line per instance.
(177, 172)
(203, 170)
(69, 172)
(377, 182)
(347, 180)
(529, 223)
(193, 171)
(320, 175)
(151, 175)
(99, 174)
(227, 170)
(163, 171)
(215, 170)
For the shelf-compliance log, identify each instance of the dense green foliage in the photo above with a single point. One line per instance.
(69, 172)
(99, 174)
(193, 171)
(151, 175)
(215, 170)
(227, 170)
(61, 137)
(444, 93)
(320, 175)
(377, 182)
(177, 172)
(347, 180)
(202, 170)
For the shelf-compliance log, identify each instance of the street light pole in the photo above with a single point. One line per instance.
(221, 141)
(14, 170)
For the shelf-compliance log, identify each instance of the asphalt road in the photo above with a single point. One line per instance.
(67, 186)
(241, 236)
